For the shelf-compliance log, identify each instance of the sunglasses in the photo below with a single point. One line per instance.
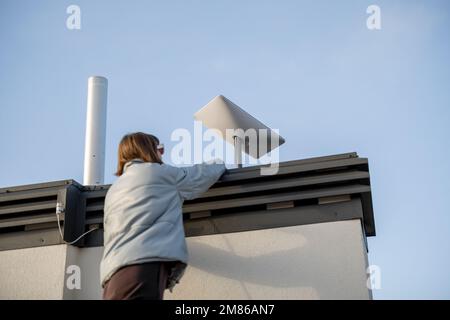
(160, 147)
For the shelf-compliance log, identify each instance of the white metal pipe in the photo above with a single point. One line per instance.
(94, 152)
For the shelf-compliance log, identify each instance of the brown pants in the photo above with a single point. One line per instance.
(146, 281)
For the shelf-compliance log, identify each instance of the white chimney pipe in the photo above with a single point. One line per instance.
(94, 152)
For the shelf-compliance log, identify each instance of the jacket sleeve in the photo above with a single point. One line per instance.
(193, 181)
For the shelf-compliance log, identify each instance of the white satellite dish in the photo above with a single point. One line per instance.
(222, 114)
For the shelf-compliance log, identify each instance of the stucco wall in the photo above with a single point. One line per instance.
(33, 273)
(317, 261)
(88, 259)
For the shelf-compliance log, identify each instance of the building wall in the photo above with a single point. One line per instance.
(317, 261)
(88, 259)
(33, 273)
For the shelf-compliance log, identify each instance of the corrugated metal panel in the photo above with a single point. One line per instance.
(28, 213)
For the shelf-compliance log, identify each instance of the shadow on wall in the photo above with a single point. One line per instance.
(328, 258)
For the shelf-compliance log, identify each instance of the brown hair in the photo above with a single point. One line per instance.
(137, 145)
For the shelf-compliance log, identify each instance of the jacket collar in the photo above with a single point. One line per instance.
(132, 161)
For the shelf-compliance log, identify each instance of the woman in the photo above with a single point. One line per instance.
(145, 249)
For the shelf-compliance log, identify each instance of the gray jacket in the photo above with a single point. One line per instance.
(143, 219)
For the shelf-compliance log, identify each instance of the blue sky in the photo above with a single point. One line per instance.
(310, 68)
